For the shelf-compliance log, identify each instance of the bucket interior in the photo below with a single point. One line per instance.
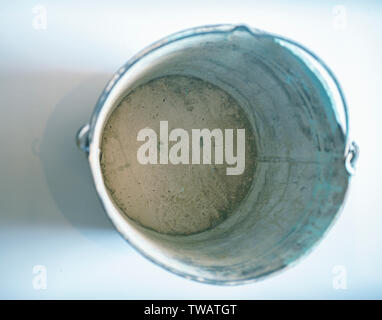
(299, 180)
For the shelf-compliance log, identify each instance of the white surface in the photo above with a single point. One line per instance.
(49, 82)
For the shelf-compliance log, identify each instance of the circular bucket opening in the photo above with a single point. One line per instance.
(299, 123)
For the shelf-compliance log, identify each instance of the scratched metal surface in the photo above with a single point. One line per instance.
(51, 76)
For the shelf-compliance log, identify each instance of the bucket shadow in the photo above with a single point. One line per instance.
(66, 167)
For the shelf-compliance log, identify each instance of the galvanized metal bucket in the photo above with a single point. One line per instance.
(304, 155)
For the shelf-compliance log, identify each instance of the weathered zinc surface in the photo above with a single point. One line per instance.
(299, 181)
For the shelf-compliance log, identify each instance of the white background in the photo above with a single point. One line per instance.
(50, 80)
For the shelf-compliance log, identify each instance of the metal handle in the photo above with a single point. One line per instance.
(82, 138)
(351, 158)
